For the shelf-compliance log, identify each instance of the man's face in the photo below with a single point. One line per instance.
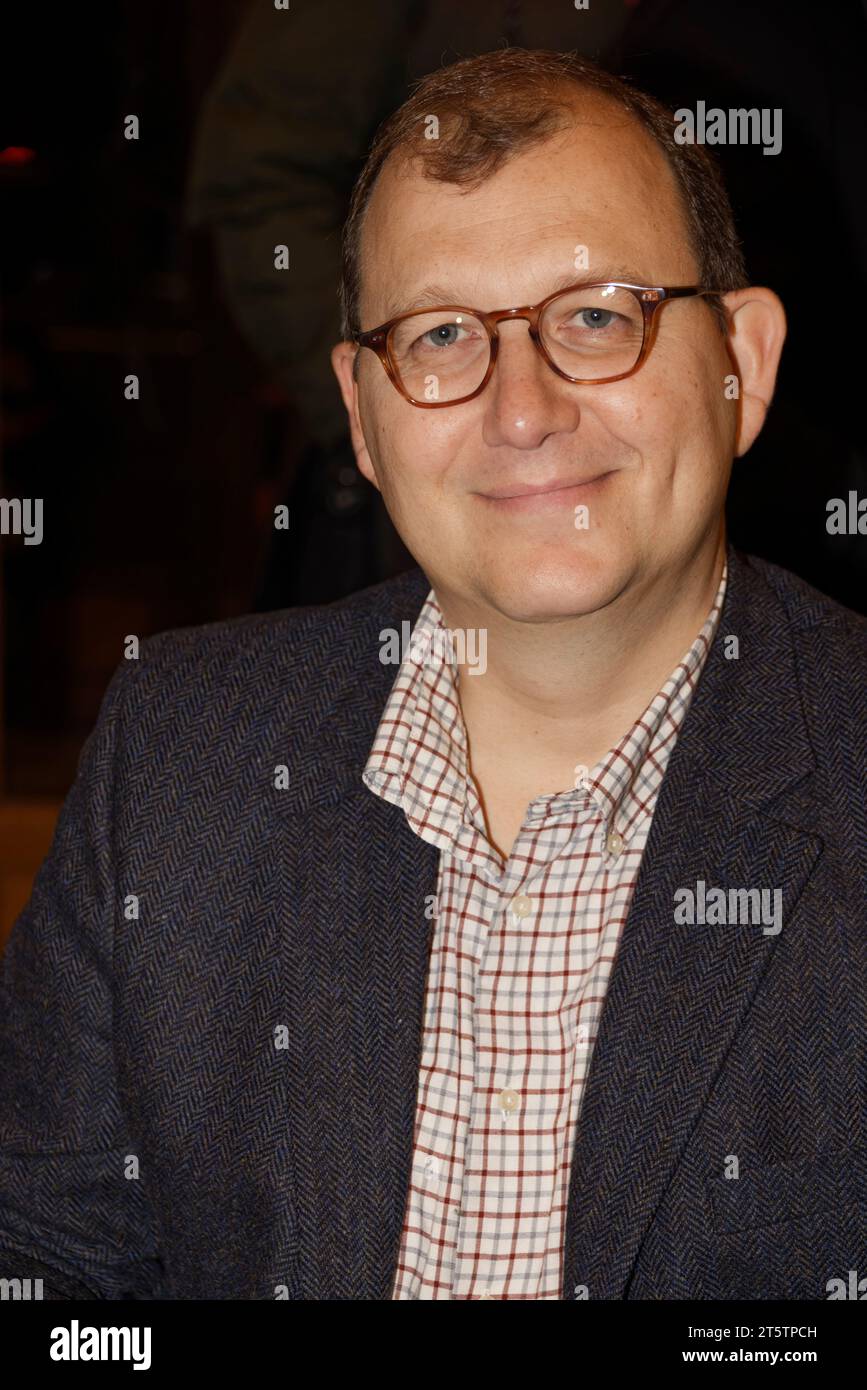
(649, 456)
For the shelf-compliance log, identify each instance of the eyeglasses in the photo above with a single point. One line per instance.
(587, 334)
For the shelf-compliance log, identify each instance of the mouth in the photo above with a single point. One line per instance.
(545, 496)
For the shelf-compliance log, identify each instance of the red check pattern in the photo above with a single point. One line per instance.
(520, 963)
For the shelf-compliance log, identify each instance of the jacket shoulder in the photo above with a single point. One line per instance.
(806, 607)
(230, 689)
(272, 645)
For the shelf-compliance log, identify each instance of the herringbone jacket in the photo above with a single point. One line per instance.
(212, 1004)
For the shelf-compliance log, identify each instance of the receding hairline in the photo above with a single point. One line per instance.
(569, 112)
(497, 105)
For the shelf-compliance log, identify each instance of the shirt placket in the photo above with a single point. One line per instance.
(511, 1157)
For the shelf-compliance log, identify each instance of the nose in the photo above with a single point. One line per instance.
(526, 400)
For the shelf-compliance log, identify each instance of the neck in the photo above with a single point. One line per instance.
(574, 687)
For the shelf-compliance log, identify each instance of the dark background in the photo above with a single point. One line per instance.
(159, 513)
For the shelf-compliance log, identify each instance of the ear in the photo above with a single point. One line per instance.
(342, 360)
(757, 332)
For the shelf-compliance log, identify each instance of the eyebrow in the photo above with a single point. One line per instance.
(432, 295)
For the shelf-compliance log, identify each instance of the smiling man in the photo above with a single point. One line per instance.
(486, 495)
(461, 980)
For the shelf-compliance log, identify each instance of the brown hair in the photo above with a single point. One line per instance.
(496, 105)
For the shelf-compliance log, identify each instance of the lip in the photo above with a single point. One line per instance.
(520, 497)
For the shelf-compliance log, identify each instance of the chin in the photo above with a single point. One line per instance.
(553, 586)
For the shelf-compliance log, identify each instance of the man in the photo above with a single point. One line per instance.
(533, 966)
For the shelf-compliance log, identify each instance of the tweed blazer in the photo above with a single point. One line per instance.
(212, 1004)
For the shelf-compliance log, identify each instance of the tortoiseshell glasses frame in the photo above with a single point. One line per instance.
(649, 297)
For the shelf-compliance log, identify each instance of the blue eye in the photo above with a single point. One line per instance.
(437, 336)
(600, 318)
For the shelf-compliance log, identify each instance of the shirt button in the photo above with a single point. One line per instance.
(521, 906)
(614, 843)
(509, 1100)
(487, 1295)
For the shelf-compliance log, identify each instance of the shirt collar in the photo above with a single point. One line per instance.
(418, 759)
(626, 781)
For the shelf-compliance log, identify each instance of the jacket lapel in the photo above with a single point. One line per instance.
(730, 813)
(357, 973)
(355, 963)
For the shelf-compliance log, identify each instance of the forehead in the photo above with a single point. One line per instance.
(599, 193)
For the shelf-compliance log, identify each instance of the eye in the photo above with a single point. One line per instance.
(443, 336)
(596, 318)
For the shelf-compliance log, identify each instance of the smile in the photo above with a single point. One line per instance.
(545, 498)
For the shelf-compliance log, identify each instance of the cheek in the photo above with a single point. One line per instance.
(696, 383)
(698, 449)
(641, 419)
(676, 414)
(707, 420)
(411, 450)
